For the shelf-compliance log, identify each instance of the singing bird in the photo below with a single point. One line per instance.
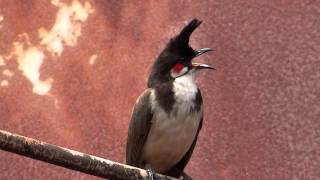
(168, 115)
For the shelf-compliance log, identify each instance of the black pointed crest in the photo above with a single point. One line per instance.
(177, 50)
(184, 36)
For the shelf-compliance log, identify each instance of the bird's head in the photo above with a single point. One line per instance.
(176, 59)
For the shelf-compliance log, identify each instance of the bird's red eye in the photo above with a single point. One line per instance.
(177, 68)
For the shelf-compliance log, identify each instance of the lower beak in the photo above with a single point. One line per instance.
(201, 66)
(202, 51)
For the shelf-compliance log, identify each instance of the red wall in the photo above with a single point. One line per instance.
(262, 105)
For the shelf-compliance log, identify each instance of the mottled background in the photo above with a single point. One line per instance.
(70, 72)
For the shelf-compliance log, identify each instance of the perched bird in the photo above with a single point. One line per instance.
(167, 117)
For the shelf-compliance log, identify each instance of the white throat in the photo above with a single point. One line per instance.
(185, 88)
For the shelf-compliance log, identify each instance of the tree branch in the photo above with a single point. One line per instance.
(71, 159)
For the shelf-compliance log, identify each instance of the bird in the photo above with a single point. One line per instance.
(167, 116)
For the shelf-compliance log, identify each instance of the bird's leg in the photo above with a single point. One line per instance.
(176, 171)
(185, 176)
(151, 173)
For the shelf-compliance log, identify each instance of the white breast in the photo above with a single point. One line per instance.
(171, 136)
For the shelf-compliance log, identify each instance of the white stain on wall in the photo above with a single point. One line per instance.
(1, 19)
(7, 73)
(2, 62)
(30, 59)
(92, 59)
(4, 83)
(67, 27)
(64, 32)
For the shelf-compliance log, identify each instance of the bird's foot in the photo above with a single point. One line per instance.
(185, 176)
(151, 173)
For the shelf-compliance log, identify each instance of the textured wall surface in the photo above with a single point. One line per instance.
(70, 72)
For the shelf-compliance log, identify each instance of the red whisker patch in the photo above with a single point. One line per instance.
(177, 68)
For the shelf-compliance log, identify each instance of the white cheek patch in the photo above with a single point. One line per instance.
(177, 74)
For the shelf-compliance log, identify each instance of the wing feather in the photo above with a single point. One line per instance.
(139, 128)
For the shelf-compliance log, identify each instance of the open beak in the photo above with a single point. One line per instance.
(198, 65)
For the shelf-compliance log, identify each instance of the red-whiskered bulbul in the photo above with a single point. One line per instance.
(167, 117)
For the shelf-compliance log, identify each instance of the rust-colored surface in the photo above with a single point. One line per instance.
(75, 86)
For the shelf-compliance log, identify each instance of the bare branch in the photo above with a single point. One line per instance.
(71, 159)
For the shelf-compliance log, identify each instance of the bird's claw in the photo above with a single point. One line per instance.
(186, 176)
(151, 173)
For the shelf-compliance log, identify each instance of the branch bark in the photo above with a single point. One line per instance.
(71, 159)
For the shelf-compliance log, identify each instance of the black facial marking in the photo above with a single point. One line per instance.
(165, 96)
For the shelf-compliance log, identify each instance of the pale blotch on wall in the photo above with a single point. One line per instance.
(30, 59)
(4, 83)
(7, 73)
(92, 59)
(67, 27)
(64, 32)
(1, 19)
(2, 62)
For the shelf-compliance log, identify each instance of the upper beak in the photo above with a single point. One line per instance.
(202, 51)
(202, 66)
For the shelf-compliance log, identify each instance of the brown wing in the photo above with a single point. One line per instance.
(139, 128)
